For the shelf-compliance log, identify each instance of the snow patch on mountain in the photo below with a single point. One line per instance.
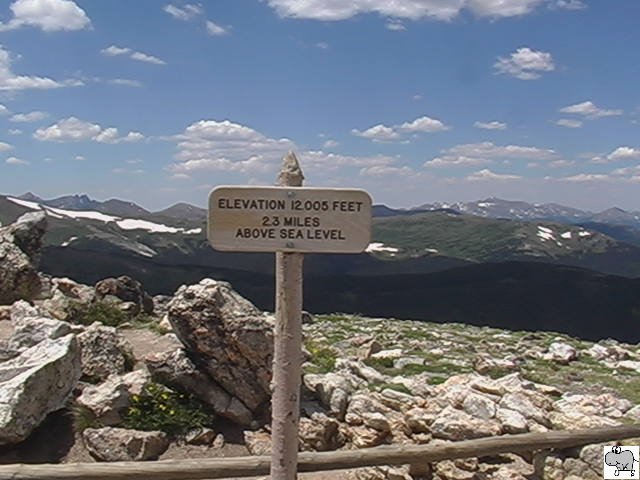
(68, 241)
(123, 223)
(378, 247)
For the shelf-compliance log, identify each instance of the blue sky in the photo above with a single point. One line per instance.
(414, 100)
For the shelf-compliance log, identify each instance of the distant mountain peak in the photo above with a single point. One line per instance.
(30, 196)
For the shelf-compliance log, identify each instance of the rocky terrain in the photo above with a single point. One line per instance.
(127, 376)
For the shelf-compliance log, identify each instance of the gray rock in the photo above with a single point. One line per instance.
(228, 336)
(110, 400)
(333, 389)
(126, 290)
(33, 330)
(20, 245)
(63, 295)
(320, 433)
(200, 436)
(512, 421)
(561, 352)
(175, 369)
(452, 424)
(36, 383)
(479, 406)
(258, 443)
(104, 352)
(120, 445)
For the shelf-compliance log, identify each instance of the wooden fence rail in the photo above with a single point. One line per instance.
(204, 468)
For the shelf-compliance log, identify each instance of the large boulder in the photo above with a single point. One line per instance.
(60, 297)
(104, 352)
(20, 245)
(175, 369)
(127, 291)
(109, 401)
(119, 444)
(228, 337)
(36, 383)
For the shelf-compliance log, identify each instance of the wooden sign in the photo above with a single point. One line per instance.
(289, 219)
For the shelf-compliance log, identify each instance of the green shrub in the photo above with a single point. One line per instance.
(160, 408)
(83, 418)
(322, 356)
(105, 313)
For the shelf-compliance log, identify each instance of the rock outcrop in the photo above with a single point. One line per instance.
(128, 293)
(104, 352)
(20, 245)
(119, 444)
(229, 338)
(35, 383)
(175, 369)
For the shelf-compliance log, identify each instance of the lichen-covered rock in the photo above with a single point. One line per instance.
(120, 445)
(30, 328)
(62, 296)
(320, 433)
(104, 352)
(36, 383)
(258, 443)
(110, 400)
(128, 291)
(177, 370)
(452, 424)
(561, 352)
(20, 245)
(229, 337)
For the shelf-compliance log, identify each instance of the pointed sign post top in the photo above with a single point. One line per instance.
(290, 173)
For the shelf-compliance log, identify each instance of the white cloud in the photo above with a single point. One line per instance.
(383, 133)
(561, 163)
(453, 161)
(386, 171)
(74, 130)
(590, 110)
(587, 177)
(624, 153)
(125, 82)
(14, 131)
(487, 174)
(569, 123)
(48, 15)
(10, 81)
(333, 10)
(113, 51)
(29, 117)
(187, 12)
(80, 158)
(568, 5)
(330, 144)
(377, 133)
(395, 26)
(229, 146)
(490, 125)
(4, 110)
(5, 146)
(225, 145)
(16, 161)
(525, 64)
(487, 152)
(322, 45)
(215, 29)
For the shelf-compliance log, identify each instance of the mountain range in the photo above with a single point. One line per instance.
(437, 262)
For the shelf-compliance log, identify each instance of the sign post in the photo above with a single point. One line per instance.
(288, 220)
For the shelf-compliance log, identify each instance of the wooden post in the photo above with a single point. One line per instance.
(287, 348)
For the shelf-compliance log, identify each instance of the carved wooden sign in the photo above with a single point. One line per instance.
(289, 219)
